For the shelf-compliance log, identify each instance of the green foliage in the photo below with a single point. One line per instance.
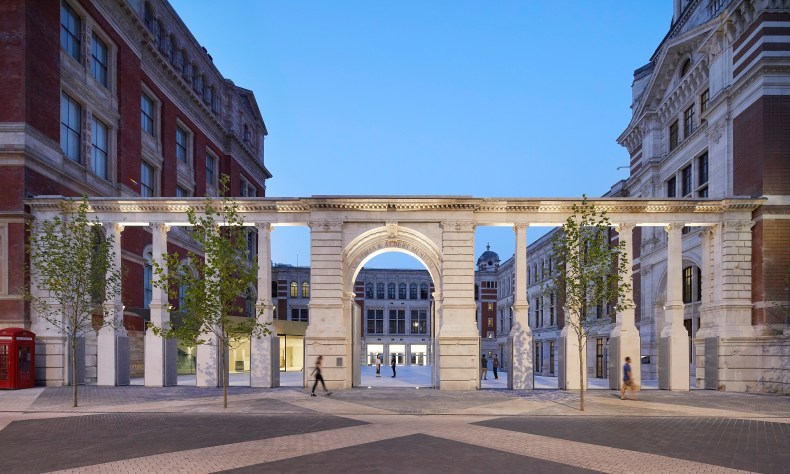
(212, 286)
(72, 273)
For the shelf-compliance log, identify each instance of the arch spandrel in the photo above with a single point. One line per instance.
(390, 237)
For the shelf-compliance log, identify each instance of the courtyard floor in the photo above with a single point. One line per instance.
(390, 426)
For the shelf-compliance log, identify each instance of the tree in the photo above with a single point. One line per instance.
(72, 273)
(209, 295)
(588, 274)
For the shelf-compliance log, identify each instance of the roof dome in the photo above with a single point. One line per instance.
(489, 259)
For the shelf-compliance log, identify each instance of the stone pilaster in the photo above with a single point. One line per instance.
(160, 354)
(624, 340)
(264, 361)
(520, 373)
(113, 341)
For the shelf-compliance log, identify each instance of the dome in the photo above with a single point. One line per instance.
(488, 259)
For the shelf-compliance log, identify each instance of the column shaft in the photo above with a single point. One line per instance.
(160, 368)
(264, 362)
(674, 346)
(520, 337)
(624, 340)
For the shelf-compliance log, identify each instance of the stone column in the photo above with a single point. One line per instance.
(113, 341)
(207, 360)
(673, 357)
(264, 359)
(624, 340)
(329, 331)
(160, 355)
(520, 371)
(458, 339)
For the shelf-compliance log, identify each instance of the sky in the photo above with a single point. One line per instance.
(442, 98)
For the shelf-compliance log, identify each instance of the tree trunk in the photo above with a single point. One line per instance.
(73, 361)
(225, 373)
(581, 376)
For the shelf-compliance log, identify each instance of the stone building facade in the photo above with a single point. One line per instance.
(116, 99)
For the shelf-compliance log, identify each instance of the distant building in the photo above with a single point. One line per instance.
(114, 98)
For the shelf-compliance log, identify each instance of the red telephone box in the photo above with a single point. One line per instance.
(17, 358)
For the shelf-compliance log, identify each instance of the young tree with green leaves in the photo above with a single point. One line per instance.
(210, 294)
(72, 273)
(589, 272)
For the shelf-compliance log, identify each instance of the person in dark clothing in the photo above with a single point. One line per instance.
(392, 363)
(318, 377)
(495, 364)
(483, 367)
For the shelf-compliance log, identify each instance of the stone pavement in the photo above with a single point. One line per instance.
(390, 429)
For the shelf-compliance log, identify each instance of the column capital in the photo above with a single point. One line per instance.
(520, 226)
(624, 227)
(264, 226)
(114, 227)
(160, 227)
(674, 227)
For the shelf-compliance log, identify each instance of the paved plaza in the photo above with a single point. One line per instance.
(390, 425)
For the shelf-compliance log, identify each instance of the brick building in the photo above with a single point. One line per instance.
(114, 98)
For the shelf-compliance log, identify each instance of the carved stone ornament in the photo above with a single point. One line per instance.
(674, 226)
(459, 226)
(717, 130)
(392, 230)
(326, 226)
(264, 227)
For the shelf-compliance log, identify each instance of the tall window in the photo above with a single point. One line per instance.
(369, 291)
(552, 312)
(551, 357)
(702, 175)
(70, 30)
(148, 276)
(146, 180)
(424, 291)
(246, 189)
(375, 321)
(147, 114)
(294, 290)
(402, 291)
(672, 187)
(413, 291)
(391, 291)
(380, 291)
(181, 144)
(70, 128)
(688, 120)
(211, 175)
(688, 279)
(704, 100)
(674, 139)
(397, 321)
(99, 149)
(305, 289)
(419, 321)
(99, 60)
(686, 180)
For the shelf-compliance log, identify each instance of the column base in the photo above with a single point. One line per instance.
(458, 361)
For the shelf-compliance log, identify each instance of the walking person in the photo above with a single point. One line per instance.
(495, 364)
(318, 377)
(392, 363)
(378, 365)
(483, 367)
(628, 379)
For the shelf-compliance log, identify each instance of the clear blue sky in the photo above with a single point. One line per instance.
(480, 98)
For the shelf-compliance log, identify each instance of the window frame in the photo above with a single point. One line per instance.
(674, 135)
(97, 63)
(73, 48)
(96, 149)
(70, 131)
(212, 181)
(143, 185)
(145, 118)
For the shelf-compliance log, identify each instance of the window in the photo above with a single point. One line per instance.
(552, 313)
(159, 33)
(551, 357)
(413, 291)
(178, 61)
(246, 133)
(672, 187)
(146, 180)
(688, 121)
(70, 30)
(99, 60)
(181, 192)
(704, 100)
(252, 241)
(305, 289)
(369, 291)
(185, 69)
(686, 181)
(300, 314)
(196, 79)
(673, 135)
(148, 276)
(70, 127)
(688, 279)
(181, 144)
(424, 291)
(147, 114)
(99, 149)
(490, 322)
(375, 321)
(246, 189)
(148, 17)
(391, 291)
(702, 175)
(380, 291)
(685, 68)
(419, 321)
(402, 291)
(170, 44)
(397, 321)
(211, 166)
(490, 306)
(294, 290)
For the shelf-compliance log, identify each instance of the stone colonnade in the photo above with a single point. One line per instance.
(346, 232)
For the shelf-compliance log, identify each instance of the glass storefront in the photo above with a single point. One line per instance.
(419, 354)
(373, 351)
(400, 354)
(291, 353)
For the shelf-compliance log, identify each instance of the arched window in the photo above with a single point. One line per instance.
(159, 35)
(148, 276)
(206, 91)
(413, 291)
(402, 291)
(246, 134)
(294, 290)
(178, 61)
(380, 291)
(197, 80)
(305, 289)
(170, 46)
(424, 291)
(214, 100)
(369, 291)
(391, 291)
(685, 68)
(186, 68)
(148, 17)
